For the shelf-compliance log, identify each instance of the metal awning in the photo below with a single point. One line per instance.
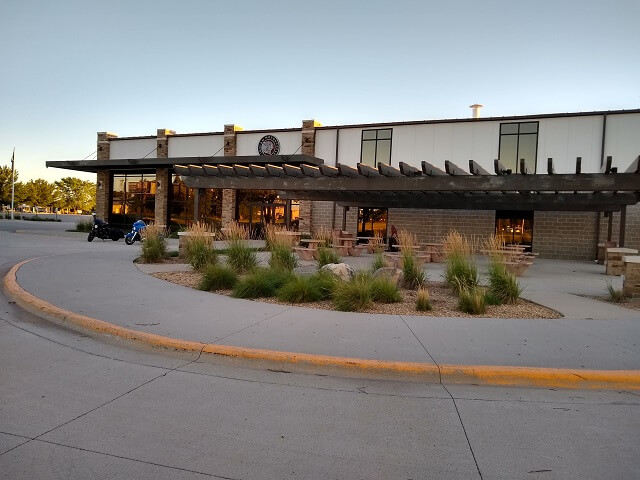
(151, 163)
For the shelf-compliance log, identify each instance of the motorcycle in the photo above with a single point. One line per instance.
(103, 230)
(135, 233)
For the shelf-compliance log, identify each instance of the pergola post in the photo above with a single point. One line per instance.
(610, 226)
(623, 225)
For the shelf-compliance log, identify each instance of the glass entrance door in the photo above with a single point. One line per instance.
(515, 228)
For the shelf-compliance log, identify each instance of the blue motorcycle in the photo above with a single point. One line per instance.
(135, 233)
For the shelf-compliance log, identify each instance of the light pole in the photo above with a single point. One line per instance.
(13, 181)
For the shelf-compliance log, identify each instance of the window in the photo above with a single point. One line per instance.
(372, 222)
(181, 203)
(519, 140)
(376, 147)
(132, 198)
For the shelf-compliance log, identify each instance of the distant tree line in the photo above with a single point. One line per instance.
(68, 195)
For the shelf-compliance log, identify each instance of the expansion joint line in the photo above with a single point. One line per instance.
(455, 405)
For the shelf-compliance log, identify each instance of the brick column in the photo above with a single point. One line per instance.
(163, 178)
(103, 190)
(308, 148)
(229, 194)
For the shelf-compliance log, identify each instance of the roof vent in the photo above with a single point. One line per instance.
(476, 110)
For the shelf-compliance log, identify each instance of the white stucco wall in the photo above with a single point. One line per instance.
(326, 145)
(133, 148)
(290, 142)
(566, 138)
(623, 139)
(435, 143)
(196, 146)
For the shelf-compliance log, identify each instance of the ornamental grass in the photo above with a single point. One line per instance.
(327, 255)
(154, 245)
(423, 300)
(218, 277)
(261, 282)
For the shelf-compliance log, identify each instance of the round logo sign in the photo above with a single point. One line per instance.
(268, 145)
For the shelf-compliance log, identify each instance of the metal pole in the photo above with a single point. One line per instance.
(13, 181)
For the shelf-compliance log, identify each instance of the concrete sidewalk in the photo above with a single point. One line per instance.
(593, 335)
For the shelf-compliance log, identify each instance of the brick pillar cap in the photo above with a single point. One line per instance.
(310, 124)
(107, 134)
(231, 127)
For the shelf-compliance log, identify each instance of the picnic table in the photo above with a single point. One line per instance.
(289, 238)
(374, 244)
(311, 251)
(436, 250)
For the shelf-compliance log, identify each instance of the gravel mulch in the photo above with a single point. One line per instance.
(444, 302)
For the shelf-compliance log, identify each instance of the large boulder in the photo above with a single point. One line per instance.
(340, 270)
(395, 274)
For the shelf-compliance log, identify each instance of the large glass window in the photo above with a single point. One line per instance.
(181, 204)
(515, 228)
(211, 206)
(519, 140)
(133, 198)
(259, 207)
(372, 222)
(376, 147)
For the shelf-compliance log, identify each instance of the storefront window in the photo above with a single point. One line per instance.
(259, 207)
(133, 198)
(181, 206)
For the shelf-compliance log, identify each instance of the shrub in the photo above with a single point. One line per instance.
(282, 257)
(378, 262)
(472, 300)
(240, 256)
(616, 296)
(423, 302)
(308, 288)
(503, 285)
(460, 272)
(84, 226)
(412, 273)
(384, 290)
(262, 282)
(354, 295)
(154, 245)
(327, 256)
(218, 277)
(199, 252)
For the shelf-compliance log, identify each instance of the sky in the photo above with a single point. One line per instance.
(71, 68)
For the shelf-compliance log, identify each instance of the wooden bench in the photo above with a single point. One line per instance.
(356, 250)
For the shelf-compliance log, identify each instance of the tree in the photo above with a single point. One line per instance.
(75, 194)
(39, 193)
(5, 184)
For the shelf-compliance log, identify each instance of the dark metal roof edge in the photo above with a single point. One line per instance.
(481, 119)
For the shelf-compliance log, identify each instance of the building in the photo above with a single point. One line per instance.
(149, 177)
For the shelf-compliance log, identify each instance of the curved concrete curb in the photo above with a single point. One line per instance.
(430, 373)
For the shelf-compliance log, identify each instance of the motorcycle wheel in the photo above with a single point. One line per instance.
(115, 236)
(91, 236)
(130, 240)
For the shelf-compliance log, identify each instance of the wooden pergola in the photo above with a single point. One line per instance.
(304, 177)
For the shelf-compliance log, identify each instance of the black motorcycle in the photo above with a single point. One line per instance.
(103, 230)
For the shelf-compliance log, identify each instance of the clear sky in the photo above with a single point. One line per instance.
(71, 68)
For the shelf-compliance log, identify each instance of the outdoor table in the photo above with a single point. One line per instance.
(436, 250)
(290, 238)
(374, 244)
(312, 242)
